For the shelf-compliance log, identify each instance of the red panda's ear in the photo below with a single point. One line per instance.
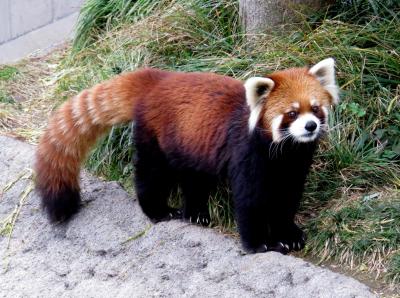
(324, 71)
(257, 89)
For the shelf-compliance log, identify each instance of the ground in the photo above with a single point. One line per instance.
(111, 249)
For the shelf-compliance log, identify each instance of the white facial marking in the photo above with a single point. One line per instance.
(298, 128)
(254, 116)
(276, 123)
(296, 105)
(314, 102)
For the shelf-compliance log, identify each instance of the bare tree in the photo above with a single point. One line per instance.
(258, 15)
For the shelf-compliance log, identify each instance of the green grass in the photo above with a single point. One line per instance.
(5, 97)
(359, 157)
(221, 209)
(360, 11)
(99, 15)
(361, 232)
(102, 15)
(7, 72)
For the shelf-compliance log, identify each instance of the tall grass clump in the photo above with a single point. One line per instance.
(97, 16)
(362, 233)
(360, 11)
(350, 209)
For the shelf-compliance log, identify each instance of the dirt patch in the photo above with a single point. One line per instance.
(29, 95)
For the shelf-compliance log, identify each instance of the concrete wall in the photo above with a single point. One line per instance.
(19, 17)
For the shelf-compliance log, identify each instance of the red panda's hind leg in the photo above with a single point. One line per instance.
(153, 188)
(154, 180)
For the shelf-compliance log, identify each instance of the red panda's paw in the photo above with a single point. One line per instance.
(293, 239)
(171, 213)
(202, 218)
(296, 238)
(256, 249)
(279, 247)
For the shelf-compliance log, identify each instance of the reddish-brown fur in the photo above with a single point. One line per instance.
(183, 110)
(188, 116)
(69, 136)
(187, 113)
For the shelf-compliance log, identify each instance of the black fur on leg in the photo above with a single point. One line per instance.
(267, 186)
(246, 175)
(251, 227)
(61, 205)
(153, 188)
(154, 179)
(196, 188)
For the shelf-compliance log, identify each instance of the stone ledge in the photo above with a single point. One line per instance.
(110, 249)
(42, 39)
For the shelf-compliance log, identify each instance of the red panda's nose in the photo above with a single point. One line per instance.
(311, 126)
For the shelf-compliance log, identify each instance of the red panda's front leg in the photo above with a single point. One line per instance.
(251, 227)
(250, 208)
(259, 229)
(264, 205)
(286, 177)
(154, 178)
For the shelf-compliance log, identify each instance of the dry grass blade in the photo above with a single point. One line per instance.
(8, 223)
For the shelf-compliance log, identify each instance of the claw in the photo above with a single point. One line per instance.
(262, 248)
(205, 221)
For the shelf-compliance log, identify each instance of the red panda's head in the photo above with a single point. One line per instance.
(293, 103)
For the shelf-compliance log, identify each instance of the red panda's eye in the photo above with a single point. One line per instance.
(292, 114)
(315, 109)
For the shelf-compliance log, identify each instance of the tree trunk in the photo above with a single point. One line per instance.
(259, 15)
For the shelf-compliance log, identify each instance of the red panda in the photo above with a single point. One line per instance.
(193, 130)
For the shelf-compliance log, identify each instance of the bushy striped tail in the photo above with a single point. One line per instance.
(75, 128)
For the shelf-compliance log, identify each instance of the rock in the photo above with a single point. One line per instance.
(110, 249)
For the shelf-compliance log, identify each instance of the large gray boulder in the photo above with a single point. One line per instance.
(110, 249)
